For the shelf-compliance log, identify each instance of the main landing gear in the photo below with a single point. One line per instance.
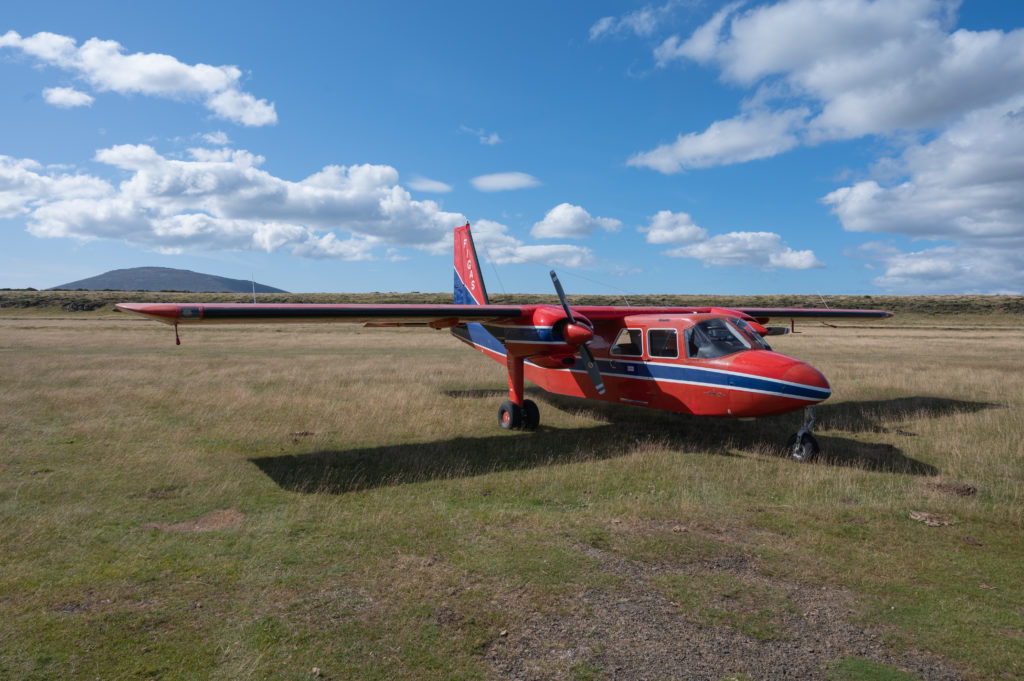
(513, 417)
(801, 445)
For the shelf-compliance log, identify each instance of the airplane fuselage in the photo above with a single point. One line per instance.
(661, 368)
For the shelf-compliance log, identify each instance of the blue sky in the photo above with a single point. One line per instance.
(799, 146)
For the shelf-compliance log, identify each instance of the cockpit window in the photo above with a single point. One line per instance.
(629, 342)
(714, 338)
(752, 335)
(662, 343)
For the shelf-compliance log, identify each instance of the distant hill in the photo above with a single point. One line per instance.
(164, 279)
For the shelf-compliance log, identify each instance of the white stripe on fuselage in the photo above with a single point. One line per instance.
(826, 392)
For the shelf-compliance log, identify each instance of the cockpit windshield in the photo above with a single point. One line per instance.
(753, 336)
(715, 338)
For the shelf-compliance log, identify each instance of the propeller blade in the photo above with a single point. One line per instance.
(561, 297)
(591, 364)
(588, 358)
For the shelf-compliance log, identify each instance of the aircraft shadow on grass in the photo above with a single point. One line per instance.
(341, 471)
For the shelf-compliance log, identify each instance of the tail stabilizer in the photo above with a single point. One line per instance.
(469, 284)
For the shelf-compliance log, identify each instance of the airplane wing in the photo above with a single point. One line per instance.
(763, 314)
(439, 315)
(436, 316)
(760, 314)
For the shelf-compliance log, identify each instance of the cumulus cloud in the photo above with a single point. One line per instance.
(700, 46)
(747, 137)
(955, 268)
(501, 248)
(66, 97)
(748, 249)
(566, 221)
(853, 68)
(964, 187)
(218, 138)
(223, 199)
(500, 182)
(25, 185)
(424, 184)
(673, 228)
(105, 66)
(951, 100)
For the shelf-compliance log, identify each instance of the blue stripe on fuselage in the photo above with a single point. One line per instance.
(523, 334)
(476, 334)
(711, 377)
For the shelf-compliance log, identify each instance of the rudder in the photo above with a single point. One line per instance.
(469, 284)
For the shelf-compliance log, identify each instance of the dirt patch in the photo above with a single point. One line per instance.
(220, 519)
(950, 488)
(639, 630)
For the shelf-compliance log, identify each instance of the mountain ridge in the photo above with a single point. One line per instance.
(164, 279)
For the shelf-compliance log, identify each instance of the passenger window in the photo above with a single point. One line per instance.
(629, 343)
(662, 343)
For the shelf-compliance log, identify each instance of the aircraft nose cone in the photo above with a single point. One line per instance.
(807, 381)
(577, 334)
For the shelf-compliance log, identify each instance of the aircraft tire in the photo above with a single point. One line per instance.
(803, 451)
(510, 416)
(531, 415)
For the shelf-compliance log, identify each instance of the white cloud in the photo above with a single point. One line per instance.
(672, 228)
(25, 185)
(851, 67)
(499, 247)
(66, 97)
(749, 136)
(823, 70)
(486, 138)
(424, 184)
(748, 249)
(701, 45)
(965, 185)
(218, 138)
(499, 182)
(641, 23)
(566, 221)
(241, 107)
(104, 65)
(958, 269)
(602, 26)
(330, 246)
(222, 199)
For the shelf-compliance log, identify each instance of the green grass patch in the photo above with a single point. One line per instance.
(857, 669)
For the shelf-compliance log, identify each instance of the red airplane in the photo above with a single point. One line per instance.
(706, 361)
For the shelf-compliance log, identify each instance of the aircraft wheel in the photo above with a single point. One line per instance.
(802, 449)
(531, 415)
(510, 416)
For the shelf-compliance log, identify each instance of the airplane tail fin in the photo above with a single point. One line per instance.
(469, 284)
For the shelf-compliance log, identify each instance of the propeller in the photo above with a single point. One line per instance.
(574, 331)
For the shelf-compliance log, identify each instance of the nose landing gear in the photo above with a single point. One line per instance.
(801, 445)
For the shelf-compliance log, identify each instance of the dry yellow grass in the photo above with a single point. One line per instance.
(390, 529)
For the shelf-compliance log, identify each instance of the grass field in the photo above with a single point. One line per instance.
(336, 502)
